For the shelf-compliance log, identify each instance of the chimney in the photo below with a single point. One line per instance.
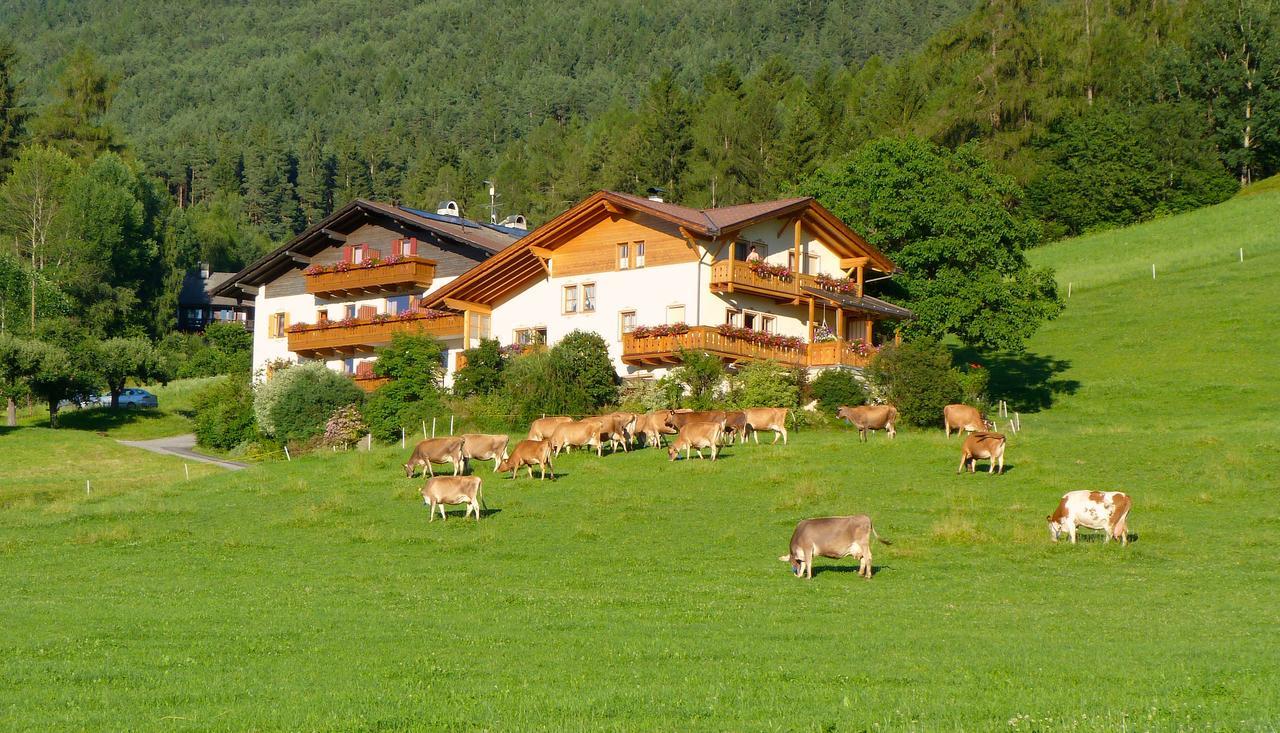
(655, 193)
(515, 221)
(448, 208)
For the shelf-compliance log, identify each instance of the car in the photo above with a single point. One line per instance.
(132, 398)
(81, 401)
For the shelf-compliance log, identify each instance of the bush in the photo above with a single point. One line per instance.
(414, 364)
(483, 373)
(835, 388)
(482, 413)
(642, 395)
(584, 357)
(223, 414)
(699, 377)
(973, 386)
(224, 348)
(765, 384)
(313, 394)
(345, 426)
(917, 378)
(575, 377)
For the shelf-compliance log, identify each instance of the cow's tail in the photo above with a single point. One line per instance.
(877, 535)
(480, 498)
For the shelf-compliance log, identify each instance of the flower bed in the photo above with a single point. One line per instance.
(425, 314)
(764, 269)
(837, 285)
(760, 338)
(671, 329)
(349, 266)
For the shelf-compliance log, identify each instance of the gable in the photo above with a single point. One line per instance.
(595, 248)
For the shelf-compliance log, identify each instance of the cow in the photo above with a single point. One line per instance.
(833, 537)
(963, 418)
(441, 490)
(542, 428)
(1105, 510)
(582, 432)
(481, 447)
(984, 445)
(617, 427)
(529, 453)
(768, 418)
(435, 450)
(870, 417)
(696, 436)
(735, 426)
(679, 418)
(653, 425)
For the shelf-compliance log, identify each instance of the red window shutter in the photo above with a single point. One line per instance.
(368, 311)
(346, 253)
(396, 247)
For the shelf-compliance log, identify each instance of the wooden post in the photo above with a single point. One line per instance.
(433, 427)
(860, 268)
(401, 438)
(811, 320)
(287, 457)
(451, 424)
(840, 324)
(795, 278)
(466, 330)
(868, 338)
(424, 429)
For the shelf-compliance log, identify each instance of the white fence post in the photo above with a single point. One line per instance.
(424, 429)
(1153, 271)
(433, 427)
(401, 438)
(287, 457)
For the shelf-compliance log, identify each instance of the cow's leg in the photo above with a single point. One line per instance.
(755, 434)
(432, 507)
(963, 460)
(784, 435)
(529, 469)
(1071, 530)
(475, 503)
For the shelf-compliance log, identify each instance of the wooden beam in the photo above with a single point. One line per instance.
(299, 258)
(612, 208)
(799, 235)
(466, 305)
(334, 235)
(466, 330)
(789, 221)
(541, 252)
(840, 323)
(688, 236)
(811, 320)
(250, 289)
(848, 263)
(867, 338)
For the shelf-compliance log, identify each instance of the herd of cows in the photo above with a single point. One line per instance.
(694, 431)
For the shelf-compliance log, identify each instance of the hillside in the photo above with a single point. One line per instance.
(638, 594)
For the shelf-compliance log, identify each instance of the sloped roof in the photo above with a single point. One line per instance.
(717, 220)
(483, 239)
(197, 289)
(866, 303)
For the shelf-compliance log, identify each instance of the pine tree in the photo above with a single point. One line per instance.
(75, 123)
(12, 114)
(315, 179)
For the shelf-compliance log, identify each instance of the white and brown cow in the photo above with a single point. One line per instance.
(435, 450)
(482, 447)
(768, 418)
(833, 537)
(530, 453)
(1104, 510)
(982, 445)
(962, 418)
(442, 490)
(870, 417)
(696, 436)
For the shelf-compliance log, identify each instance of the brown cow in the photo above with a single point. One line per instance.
(964, 418)
(530, 453)
(735, 426)
(870, 417)
(543, 427)
(481, 447)
(768, 418)
(435, 450)
(442, 490)
(1105, 510)
(653, 425)
(696, 436)
(616, 426)
(582, 432)
(680, 418)
(833, 537)
(982, 445)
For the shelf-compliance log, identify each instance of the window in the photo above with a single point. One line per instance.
(530, 336)
(624, 256)
(589, 298)
(626, 323)
(639, 247)
(358, 254)
(398, 304)
(322, 316)
(480, 326)
(742, 249)
(732, 316)
(570, 299)
(276, 323)
(812, 262)
(749, 320)
(766, 323)
(675, 314)
(348, 366)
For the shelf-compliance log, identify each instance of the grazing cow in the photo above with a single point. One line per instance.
(679, 418)
(442, 490)
(870, 417)
(735, 426)
(984, 445)
(530, 453)
(617, 427)
(1104, 510)
(653, 426)
(481, 447)
(582, 432)
(833, 537)
(768, 418)
(542, 428)
(696, 436)
(435, 450)
(962, 418)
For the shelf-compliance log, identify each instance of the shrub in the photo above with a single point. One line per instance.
(837, 387)
(312, 394)
(575, 377)
(224, 348)
(917, 378)
(973, 385)
(345, 426)
(223, 413)
(483, 373)
(483, 413)
(584, 357)
(699, 377)
(765, 384)
(642, 395)
(413, 363)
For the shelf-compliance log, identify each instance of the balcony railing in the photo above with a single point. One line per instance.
(407, 274)
(659, 350)
(729, 276)
(365, 334)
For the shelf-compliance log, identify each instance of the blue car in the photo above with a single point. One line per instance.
(132, 398)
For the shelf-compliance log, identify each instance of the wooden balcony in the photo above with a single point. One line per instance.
(736, 276)
(408, 275)
(665, 350)
(346, 338)
(369, 383)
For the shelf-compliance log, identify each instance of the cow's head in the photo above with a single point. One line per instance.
(989, 424)
(1055, 528)
(672, 453)
(409, 469)
(505, 465)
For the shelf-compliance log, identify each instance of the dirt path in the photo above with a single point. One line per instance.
(182, 446)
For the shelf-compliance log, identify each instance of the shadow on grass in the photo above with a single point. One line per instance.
(851, 567)
(462, 514)
(104, 419)
(982, 468)
(1087, 536)
(1028, 382)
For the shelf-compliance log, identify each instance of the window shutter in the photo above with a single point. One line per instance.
(346, 253)
(397, 247)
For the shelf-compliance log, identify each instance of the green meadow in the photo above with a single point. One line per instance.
(638, 594)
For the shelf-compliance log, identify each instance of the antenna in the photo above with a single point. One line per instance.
(493, 202)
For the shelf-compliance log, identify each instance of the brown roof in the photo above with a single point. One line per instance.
(714, 221)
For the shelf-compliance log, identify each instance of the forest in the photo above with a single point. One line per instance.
(136, 141)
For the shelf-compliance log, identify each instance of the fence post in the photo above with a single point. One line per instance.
(287, 457)
(1069, 289)
(451, 424)
(424, 429)
(1153, 271)
(1242, 254)
(186, 468)
(401, 438)
(433, 427)
(86, 487)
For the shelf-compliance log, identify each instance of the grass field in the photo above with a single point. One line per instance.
(642, 595)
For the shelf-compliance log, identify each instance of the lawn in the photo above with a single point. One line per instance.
(638, 594)
(170, 418)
